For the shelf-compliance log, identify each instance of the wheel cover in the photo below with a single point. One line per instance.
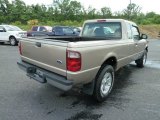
(12, 40)
(106, 84)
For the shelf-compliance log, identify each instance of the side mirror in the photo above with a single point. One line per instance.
(144, 36)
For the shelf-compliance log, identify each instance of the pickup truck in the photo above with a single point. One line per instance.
(89, 60)
(39, 31)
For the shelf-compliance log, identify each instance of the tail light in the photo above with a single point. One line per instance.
(20, 48)
(73, 61)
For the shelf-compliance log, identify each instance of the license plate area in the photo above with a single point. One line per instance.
(39, 72)
(36, 74)
(31, 70)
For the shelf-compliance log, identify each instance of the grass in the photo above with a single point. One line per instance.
(153, 31)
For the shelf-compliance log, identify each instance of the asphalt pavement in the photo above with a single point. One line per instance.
(136, 95)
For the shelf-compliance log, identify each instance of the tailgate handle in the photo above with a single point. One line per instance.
(38, 44)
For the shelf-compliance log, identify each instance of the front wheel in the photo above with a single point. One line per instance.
(13, 41)
(104, 83)
(141, 62)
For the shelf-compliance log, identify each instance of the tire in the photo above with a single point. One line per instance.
(13, 41)
(104, 83)
(141, 62)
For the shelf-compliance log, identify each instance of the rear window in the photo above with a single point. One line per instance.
(110, 30)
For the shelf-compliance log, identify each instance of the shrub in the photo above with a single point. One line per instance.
(16, 23)
(33, 22)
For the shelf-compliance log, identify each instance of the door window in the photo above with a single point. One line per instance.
(136, 33)
(42, 29)
(1, 29)
(129, 31)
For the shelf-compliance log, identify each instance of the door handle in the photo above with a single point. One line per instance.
(38, 44)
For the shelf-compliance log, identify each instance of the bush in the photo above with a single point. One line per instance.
(17, 23)
(146, 22)
(33, 22)
(71, 23)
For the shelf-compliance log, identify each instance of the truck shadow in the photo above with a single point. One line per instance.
(116, 99)
(122, 81)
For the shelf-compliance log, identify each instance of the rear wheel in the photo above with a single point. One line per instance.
(13, 41)
(141, 62)
(104, 83)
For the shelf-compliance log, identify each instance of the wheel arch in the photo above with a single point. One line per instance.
(12, 36)
(112, 60)
(89, 88)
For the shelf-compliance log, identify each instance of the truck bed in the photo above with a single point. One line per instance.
(69, 38)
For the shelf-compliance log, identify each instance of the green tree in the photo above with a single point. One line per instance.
(106, 12)
(68, 10)
(18, 11)
(91, 12)
(132, 11)
(5, 10)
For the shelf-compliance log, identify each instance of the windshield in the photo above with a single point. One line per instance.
(12, 28)
(103, 29)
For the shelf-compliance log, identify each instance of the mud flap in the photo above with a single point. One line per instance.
(89, 88)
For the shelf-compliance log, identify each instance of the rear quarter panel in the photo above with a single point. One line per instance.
(94, 54)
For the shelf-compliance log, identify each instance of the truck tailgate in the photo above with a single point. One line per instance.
(47, 54)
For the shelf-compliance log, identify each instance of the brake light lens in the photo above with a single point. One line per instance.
(73, 61)
(20, 48)
(101, 20)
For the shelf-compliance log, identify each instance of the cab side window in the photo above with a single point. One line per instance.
(136, 33)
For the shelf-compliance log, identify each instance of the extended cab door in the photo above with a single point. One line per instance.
(139, 43)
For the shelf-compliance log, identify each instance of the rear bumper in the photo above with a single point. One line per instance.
(44, 76)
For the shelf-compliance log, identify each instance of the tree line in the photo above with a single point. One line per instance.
(69, 12)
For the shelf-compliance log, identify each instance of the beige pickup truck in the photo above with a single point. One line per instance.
(89, 60)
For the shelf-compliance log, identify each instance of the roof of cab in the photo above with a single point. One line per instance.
(110, 20)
